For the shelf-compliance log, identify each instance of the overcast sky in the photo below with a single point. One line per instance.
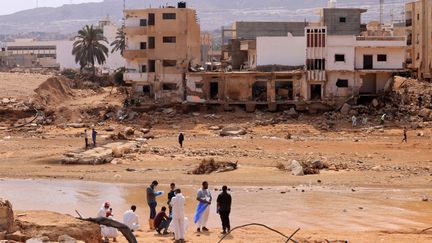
(12, 6)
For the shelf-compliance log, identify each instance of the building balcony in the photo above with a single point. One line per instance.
(136, 30)
(135, 77)
(135, 54)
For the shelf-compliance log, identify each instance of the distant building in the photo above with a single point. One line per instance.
(419, 31)
(30, 53)
(162, 45)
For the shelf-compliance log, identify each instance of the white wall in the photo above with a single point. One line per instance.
(64, 55)
(395, 57)
(289, 50)
(114, 60)
(340, 45)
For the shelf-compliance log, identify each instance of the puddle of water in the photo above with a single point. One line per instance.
(323, 208)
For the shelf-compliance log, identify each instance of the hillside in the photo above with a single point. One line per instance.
(212, 14)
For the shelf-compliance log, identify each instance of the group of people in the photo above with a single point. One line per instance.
(176, 220)
(93, 136)
(130, 219)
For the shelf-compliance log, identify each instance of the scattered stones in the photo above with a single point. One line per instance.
(76, 125)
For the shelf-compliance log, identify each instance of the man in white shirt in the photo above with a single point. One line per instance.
(178, 217)
(204, 197)
(131, 219)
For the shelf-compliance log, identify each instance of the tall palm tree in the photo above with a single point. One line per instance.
(89, 47)
(119, 44)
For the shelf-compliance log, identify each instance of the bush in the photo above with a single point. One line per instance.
(69, 73)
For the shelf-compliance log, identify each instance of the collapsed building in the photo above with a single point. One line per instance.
(305, 65)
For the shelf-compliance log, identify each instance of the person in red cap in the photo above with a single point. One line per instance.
(104, 211)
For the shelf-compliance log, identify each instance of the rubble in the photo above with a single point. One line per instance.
(209, 165)
(100, 155)
(232, 131)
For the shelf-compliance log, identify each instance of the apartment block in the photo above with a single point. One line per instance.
(419, 31)
(162, 45)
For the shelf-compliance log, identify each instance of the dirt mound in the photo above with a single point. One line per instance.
(54, 90)
(208, 166)
(53, 225)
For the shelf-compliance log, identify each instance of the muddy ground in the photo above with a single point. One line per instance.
(361, 160)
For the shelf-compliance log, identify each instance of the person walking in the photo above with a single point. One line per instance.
(224, 209)
(94, 134)
(204, 199)
(178, 218)
(151, 201)
(365, 121)
(405, 137)
(181, 139)
(86, 138)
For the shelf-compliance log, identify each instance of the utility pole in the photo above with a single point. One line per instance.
(381, 12)
(37, 3)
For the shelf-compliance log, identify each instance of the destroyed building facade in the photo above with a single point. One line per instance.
(418, 16)
(162, 45)
(304, 65)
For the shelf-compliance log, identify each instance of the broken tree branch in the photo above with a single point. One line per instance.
(289, 238)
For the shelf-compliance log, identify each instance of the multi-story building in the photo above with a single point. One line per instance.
(162, 45)
(419, 31)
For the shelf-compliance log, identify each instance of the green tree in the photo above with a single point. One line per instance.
(119, 44)
(89, 48)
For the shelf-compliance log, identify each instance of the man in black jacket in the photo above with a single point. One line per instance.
(224, 209)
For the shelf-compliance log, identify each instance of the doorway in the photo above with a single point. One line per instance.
(214, 90)
(259, 91)
(315, 91)
(367, 62)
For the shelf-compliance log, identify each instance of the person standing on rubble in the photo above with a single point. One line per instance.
(86, 138)
(382, 120)
(181, 139)
(94, 133)
(354, 121)
(405, 137)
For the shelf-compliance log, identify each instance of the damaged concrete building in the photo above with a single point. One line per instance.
(309, 66)
(162, 44)
(330, 63)
(418, 16)
(240, 53)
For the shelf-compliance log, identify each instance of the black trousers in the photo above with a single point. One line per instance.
(224, 215)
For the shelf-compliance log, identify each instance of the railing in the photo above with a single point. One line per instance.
(136, 30)
(380, 38)
(134, 54)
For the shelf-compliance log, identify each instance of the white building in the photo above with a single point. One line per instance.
(285, 51)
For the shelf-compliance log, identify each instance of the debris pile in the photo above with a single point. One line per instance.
(54, 91)
(207, 166)
(307, 167)
(100, 155)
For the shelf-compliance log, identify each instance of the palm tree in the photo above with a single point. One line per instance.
(89, 47)
(119, 44)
